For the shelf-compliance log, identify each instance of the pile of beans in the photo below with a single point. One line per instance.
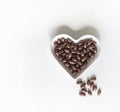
(75, 56)
(88, 86)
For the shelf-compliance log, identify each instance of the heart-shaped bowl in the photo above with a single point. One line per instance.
(76, 41)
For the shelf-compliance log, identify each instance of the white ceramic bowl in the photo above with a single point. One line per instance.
(76, 40)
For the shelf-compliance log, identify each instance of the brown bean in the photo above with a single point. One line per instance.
(84, 65)
(99, 91)
(72, 62)
(55, 43)
(73, 51)
(79, 81)
(85, 51)
(91, 84)
(80, 43)
(80, 48)
(89, 92)
(67, 46)
(84, 89)
(73, 67)
(83, 59)
(75, 47)
(75, 72)
(69, 40)
(88, 82)
(82, 53)
(59, 41)
(66, 50)
(63, 55)
(90, 53)
(79, 63)
(94, 88)
(56, 52)
(67, 64)
(74, 59)
(62, 39)
(93, 78)
(68, 56)
(78, 57)
(60, 47)
(64, 60)
(83, 85)
(82, 93)
(60, 58)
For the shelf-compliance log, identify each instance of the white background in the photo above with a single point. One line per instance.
(31, 80)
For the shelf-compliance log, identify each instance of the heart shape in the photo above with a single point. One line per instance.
(75, 55)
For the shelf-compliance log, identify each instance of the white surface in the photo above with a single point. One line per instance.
(31, 80)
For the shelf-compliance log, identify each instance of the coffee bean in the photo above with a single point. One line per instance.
(99, 92)
(85, 46)
(82, 53)
(55, 43)
(77, 66)
(62, 39)
(68, 56)
(92, 56)
(66, 50)
(78, 57)
(60, 47)
(84, 65)
(78, 52)
(85, 51)
(73, 67)
(89, 43)
(69, 40)
(79, 63)
(94, 50)
(94, 88)
(59, 41)
(80, 43)
(60, 58)
(64, 45)
(88, 60)
(84, 89)
(74, 59)
(64, 60)
(93, 78)
(64, 55)
(67, 46)
(67, 65)
(89, 92)
(61, 52)
(90, 53)
(72, 45)
(79, 81)
(56, 52)
(73, 51)
(74, 72)
(83, 85)
(75, 47)
(83, 59)
(91, 84)
(80, 48)
(82, 93)
(88, 82)
(72, 62)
